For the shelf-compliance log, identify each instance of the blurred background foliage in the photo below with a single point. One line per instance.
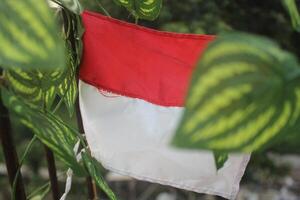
(267, 18)
(263, 17)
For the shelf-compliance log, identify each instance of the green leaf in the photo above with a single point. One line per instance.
(94, 170)
(68, 90)
(40, 193)
(34, 86)
(41, 87)
(291, 7)
(72, 5)
(220, 159)
(144, 9)
(24, 156)
(244, 94)
(48, 128)
(29, 36)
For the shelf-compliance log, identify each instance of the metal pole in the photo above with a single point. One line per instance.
(10, 154)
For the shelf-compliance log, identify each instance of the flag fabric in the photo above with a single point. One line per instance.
(133, 82)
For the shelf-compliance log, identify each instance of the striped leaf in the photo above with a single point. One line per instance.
(35, 86)
(94, 170)
(48, 128)
(67, 89)
(244, 94)
(144, 9)
(291, 7)
(41, 87)
(28, 36)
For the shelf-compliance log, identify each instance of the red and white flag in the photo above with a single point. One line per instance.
(133, 82)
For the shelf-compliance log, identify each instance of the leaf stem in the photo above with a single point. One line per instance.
(103, 9)
(57, 105)
(28, 148)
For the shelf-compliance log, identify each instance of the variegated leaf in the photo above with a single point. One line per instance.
(35, 86)
(29, 37)
(95, 171)
(144, 9)
(69, 95)
(51, 130)
(244, 94)
(67, 90)
(41, 87)
(292, 9)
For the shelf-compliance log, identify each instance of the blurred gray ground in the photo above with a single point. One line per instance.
(261, 184)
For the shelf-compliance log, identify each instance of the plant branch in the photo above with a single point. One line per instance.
(103, 9)
(27, 149)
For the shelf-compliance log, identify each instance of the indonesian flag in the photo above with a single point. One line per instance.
(133, 82)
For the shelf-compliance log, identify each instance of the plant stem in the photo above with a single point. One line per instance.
(58, 105)
(10, 154)
(103, 9)
(28, 148)
(51, 164)
(52, 173)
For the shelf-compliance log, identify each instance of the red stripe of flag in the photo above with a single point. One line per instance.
(139, 62)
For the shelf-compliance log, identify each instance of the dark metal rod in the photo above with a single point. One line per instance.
(52, 174)
(10, 154)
